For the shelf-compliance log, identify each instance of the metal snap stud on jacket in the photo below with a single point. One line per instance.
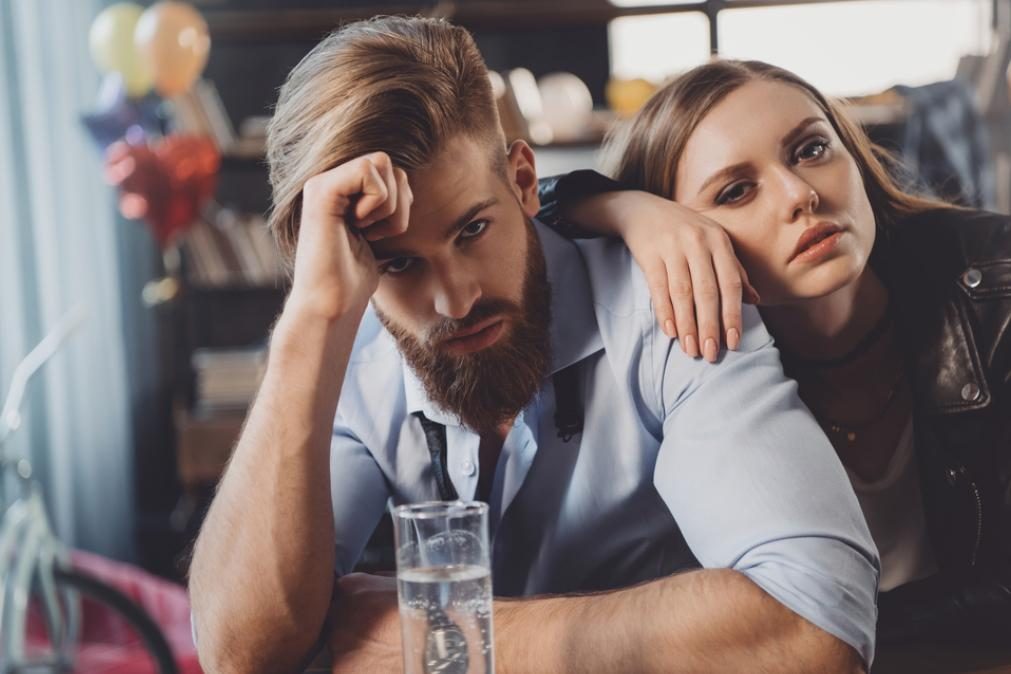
(970, 392)
(972, 277)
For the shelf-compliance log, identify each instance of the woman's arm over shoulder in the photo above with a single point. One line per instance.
(695, 280)
(560, 194)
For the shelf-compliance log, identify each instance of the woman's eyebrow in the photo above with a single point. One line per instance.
(725, 172)
(734, 169)
(791, 136)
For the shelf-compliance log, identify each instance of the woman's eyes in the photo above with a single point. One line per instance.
(811, 150)
(815, 149)
(733, 193)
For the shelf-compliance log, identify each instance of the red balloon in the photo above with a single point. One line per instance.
(167, 185)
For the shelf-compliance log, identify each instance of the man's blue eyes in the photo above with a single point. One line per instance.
(400, 265)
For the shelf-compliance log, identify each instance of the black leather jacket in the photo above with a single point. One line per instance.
(949, 278)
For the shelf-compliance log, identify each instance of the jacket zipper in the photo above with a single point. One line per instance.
(979, 521)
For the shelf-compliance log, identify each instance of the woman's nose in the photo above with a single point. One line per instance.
(800, 197)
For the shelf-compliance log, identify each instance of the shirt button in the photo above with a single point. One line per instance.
(970, 392)
(972, 277)
(468, 468)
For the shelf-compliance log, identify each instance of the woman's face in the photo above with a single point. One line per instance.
(766, 164)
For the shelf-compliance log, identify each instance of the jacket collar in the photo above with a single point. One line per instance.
(928, 286)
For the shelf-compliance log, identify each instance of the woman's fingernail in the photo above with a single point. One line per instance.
(733, 339)
(691, 346)
(668, 328)
(711, 350)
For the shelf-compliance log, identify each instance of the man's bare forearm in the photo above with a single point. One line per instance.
(703, 621)
(263, 564)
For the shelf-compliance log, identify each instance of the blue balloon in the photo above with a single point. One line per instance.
(119, 116)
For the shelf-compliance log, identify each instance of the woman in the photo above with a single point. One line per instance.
(892, 312)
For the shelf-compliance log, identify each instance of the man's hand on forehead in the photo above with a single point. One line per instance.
(343, 209)
(382, 208)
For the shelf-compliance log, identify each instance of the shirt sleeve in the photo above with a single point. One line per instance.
(358, 492)
(755, 486)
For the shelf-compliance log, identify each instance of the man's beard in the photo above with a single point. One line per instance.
(488, 387)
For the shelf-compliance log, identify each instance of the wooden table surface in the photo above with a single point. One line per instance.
(911, 659)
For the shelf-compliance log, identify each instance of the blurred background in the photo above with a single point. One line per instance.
(133, 184)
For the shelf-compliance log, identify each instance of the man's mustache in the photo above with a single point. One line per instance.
(484, 310)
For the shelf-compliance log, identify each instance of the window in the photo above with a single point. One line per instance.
(844, 48)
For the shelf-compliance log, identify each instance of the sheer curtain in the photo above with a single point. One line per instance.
(58, 248)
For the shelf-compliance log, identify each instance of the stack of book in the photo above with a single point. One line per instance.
(232, 249)
(227, 379)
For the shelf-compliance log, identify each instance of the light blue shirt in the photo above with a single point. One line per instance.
(680, 463)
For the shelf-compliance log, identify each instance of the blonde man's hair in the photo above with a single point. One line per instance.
(403, 86)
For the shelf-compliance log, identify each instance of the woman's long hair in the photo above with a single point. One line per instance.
(644, 152)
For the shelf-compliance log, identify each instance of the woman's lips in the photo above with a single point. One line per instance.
(478, 337)
(816, 241)
(820, 250)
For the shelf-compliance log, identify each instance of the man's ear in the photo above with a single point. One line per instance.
(522, 176)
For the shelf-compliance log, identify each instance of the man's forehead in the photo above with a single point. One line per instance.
(458, 177)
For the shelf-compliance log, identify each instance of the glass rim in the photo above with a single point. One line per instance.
(427, 510)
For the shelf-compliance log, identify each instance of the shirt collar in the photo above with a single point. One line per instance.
(574, 331)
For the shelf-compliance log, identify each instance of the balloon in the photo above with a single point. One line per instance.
(172, 40)
(113, 50)
(166, 185)
(119, 117)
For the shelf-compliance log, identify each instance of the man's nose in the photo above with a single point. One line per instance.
(456, 291)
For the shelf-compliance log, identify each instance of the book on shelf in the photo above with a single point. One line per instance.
(231, 249)
(226, 380)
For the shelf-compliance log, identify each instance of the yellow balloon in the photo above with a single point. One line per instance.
(173, 41)
(112, 49)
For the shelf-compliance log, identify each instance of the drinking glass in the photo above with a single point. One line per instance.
(444, 587)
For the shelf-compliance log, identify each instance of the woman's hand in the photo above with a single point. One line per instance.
(695, 280)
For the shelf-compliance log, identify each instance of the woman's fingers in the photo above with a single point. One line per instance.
(706, 291)
(682, 298)
(751, 295)
(659, 292)
(731, 284)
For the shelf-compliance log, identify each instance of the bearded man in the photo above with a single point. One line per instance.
(438, 342)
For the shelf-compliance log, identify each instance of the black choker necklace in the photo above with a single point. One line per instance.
(865, 343)
(852, 430)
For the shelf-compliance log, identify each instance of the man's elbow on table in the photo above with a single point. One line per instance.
(228, 647)
(774, 637)
(824, 652)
